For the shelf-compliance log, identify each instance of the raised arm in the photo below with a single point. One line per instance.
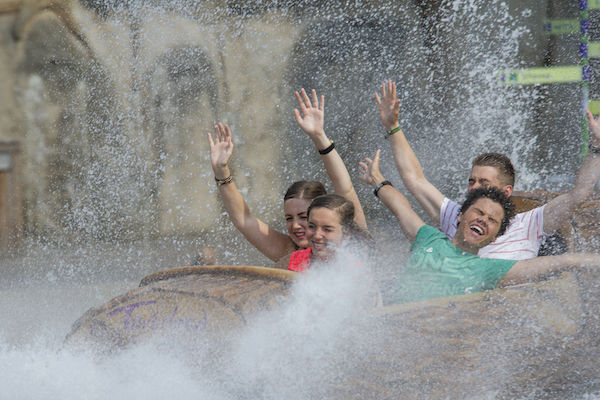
(533, 269)
(310, 118)
(411, 172)
(271, 243)
(409, 220)
(560, 208)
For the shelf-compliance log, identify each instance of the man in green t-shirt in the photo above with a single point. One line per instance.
(437, 268)
(440, 267)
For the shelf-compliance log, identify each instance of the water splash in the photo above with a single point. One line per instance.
(118, 115)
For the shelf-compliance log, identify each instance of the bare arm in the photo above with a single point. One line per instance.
(409, 220)
(560, 208)
(283, 262)
(311, 119)
(536, 268)
(271, 243)
(411, 172)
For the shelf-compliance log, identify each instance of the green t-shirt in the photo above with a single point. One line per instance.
(437, 268)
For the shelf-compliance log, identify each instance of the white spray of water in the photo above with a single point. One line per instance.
(287, 353)
(40, 371)
(302, 343)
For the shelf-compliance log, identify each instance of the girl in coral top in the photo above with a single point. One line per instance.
(331, 230)
(330, 223)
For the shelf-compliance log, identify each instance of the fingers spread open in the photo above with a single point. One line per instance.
(589, 115)
(305, 98)
(315, 99)
(377, 99)
(297, 116)
(300, 101)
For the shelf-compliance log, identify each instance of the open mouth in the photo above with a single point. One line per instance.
(300, 235)
(477, 230)
(319, 245)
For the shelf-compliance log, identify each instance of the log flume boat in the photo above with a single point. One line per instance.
(538, 340)
(202, 300)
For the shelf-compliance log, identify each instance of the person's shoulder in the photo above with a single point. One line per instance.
(449, 211)
(526, 217)
(533, 211)
(448, 201)
(448, 205)
(428, 231)
(283, 262)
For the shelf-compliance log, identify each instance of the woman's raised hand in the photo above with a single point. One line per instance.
(221, 149)
(311, 114)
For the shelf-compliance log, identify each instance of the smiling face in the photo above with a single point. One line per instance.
(296, 220)
(478, 225)
(324, 231)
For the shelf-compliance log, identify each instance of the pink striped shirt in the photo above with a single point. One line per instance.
(521, 240)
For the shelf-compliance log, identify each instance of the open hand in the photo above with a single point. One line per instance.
(594, 125)
(369, 170)
(311, 114)
(389, 105)
(220, 149)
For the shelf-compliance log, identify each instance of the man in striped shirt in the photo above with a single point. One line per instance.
(527, 231)
(439, 267)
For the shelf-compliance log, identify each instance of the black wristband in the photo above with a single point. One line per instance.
(328, 149)
(594, 149)
(382, 184)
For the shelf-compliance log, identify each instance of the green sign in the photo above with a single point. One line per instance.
(541, 75)
(594, 49)
(594, 107)
(561, 26)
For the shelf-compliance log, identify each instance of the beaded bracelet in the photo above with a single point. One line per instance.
(594, 149)
(223, 181)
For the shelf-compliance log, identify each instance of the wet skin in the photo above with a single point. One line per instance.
(478, 225)
(324, 232)
(485, 177)
(296, 220)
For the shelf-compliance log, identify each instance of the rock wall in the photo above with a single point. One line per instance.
(111, 102)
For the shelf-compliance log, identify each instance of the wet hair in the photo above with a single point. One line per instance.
(506, 171)
(305, 190)
(495, 195)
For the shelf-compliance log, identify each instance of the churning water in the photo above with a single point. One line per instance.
(126, 161)
(271, 358)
